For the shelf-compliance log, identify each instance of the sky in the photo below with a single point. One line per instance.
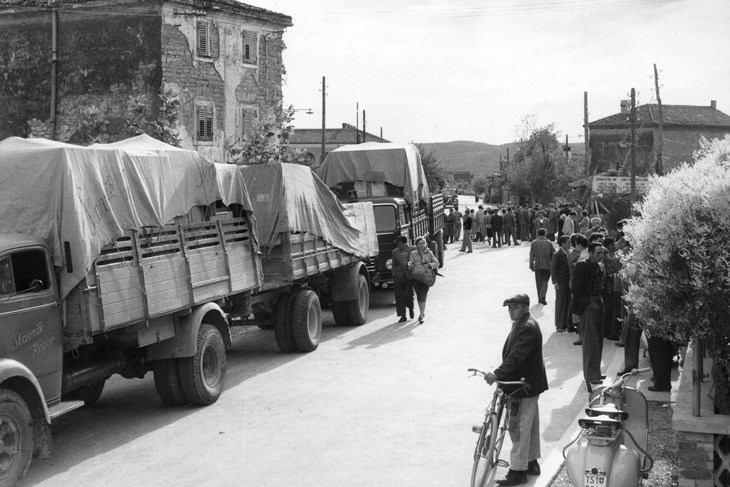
(472, 70)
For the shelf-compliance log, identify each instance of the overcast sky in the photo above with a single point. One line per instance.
(444, 70)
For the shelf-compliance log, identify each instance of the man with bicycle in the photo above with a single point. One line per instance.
(522, 358)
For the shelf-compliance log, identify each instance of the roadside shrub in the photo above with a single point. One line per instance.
(679, 268)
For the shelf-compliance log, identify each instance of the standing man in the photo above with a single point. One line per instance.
(588, 298)
(479, 217)
(522, 358)
(509, 226)
(450, 224)
(524, 224)
(540, 222)
(466, 241)
(496, 221)
(552, 216)
(402, 284)
(541, 253)
(560, 274)
(580, 249)
(457, 224)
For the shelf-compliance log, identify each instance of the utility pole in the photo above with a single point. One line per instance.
(659, 167)
(633, 145)
(566, 149)
(357, 122)
(363, 125)
(321, 157)
(586, 133)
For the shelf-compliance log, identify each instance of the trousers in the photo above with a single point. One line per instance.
(524, 431)
(563, 320)
(593, 339)
(542, 278)
(403, 291)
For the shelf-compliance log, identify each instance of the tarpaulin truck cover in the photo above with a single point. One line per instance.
(291, 198)
(396, 164)
(89, 196)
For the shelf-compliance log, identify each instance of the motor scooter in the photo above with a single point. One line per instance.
(610, 450)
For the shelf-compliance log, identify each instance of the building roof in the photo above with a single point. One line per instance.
(225, 5)
(346, 135)
(672, 115)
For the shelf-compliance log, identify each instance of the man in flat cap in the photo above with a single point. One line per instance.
(522, 358)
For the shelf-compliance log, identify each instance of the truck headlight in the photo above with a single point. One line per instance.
(389, 264)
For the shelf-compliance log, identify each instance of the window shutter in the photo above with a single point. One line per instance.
(248, 117)
(201, 123)
(205, 39)
(250, 47)
(209, 122)
(205, 123)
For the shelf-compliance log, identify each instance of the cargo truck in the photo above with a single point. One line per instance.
(137, 257)
(391, 176)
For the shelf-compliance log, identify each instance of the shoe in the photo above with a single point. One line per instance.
(596, 382)
(533, 468)
(619, 344)
(468, 251)
(571, 329)
(578, 343)
(410, 312)
(462, 250)
(420, 320)
(402, 319)
(603, 377)
(659, 389)
(514, 477)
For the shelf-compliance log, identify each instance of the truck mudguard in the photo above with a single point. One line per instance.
(12, 369)
(186, 333)
(344, 282)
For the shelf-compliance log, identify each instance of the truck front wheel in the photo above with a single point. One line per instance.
(306, 320)
(16, 438)
(167, 383)
(357, 309)
(203, 375)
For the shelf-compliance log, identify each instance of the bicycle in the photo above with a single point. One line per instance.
(492, 431)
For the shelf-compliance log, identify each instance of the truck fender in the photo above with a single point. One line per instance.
(185, 341)
(344, 282)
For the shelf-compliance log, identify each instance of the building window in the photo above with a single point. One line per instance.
(250, 47)
(204, 31)
(206, 122)
(248, 118)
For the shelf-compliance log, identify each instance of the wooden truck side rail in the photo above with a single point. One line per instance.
(154, 272)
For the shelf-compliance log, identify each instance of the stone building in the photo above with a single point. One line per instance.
(310, 140)
(83, 71)
(683, 128)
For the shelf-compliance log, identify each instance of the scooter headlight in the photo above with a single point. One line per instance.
(389, 264)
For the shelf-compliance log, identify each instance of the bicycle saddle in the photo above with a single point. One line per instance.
(601, 421)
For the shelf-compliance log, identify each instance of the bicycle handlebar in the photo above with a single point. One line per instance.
(521, 382)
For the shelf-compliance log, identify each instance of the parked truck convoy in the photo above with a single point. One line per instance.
(391, 176)
(138, 257)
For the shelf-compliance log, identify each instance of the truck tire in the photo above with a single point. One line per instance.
(282, 330)
(167, 383)
(357, 309)
(89, 394)
(16, 444)
(440, 247)
(203, 376)
(339, 313)
(306, 320)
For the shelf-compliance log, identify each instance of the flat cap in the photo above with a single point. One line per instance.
(517, 299)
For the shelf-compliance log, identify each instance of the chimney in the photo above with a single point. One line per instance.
(625, 106)
(713, 104)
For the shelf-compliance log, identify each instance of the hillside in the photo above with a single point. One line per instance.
(477, 157)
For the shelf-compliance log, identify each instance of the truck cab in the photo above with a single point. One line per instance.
(392, 219)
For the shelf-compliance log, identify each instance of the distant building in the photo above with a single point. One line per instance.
(683, 127)
(222, 58)
(310, 140)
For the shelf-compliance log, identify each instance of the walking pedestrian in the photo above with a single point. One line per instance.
(508, 223)
(541, 253)
(466, 238)
(402, 284)
(496, 221)
(525, 223)
(522, 358)
(588, 298)
(457, 225)
(560, 274)
(422, 256)
(580, 251)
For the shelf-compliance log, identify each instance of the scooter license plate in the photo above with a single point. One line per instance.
(594, 480)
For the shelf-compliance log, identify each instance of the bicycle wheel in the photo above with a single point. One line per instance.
(483, 454)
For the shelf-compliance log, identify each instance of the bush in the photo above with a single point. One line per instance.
(679, 268)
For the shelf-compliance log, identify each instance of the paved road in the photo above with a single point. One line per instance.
(384, 404)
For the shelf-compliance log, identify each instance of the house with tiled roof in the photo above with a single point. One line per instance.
(89, 70)
(683, 126)
(310, 140)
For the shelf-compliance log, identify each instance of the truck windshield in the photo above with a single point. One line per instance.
(385, 218)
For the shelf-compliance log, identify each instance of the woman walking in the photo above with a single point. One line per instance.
(422, 256)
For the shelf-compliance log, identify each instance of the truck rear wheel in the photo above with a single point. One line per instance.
(167, 383)
(203, 376)
(282, 330)
(339, 313)
(357, 309)
(16, 438)
(306, 320)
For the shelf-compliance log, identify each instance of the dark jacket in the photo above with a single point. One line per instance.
(509, 220)
(587, 282)
(541, 252)
(467, 223)
(522, 358)
(496, 222)
(559, 269)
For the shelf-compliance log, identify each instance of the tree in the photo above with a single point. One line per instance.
(678, 270)
(480, 185)
(432, 167)
(538, 170)
(268, 140)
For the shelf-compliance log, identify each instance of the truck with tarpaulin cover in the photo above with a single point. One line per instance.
(391, 176)
(133, 257)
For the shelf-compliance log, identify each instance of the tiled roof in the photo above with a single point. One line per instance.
(672, 115)
(228, 5)
(345, 135)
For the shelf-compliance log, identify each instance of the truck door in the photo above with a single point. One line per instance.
(30, 316)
